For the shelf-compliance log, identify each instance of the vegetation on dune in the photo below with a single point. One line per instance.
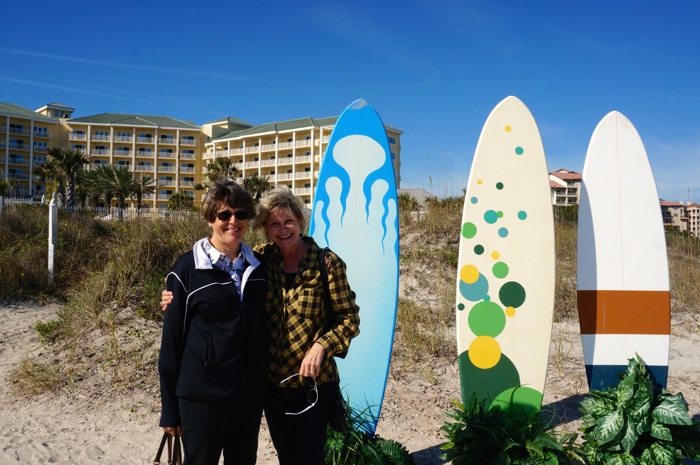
(102, 267)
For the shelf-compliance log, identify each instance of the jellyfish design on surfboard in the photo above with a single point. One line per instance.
(355, 214)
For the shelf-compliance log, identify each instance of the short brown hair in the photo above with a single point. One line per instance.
(281, 197)
(225, 191)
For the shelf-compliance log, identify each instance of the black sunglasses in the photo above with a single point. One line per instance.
(226, 215)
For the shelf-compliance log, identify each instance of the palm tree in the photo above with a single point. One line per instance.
(143, 184)
(51, 177)
(70, 162)
(257, 185)
(115, 181)
(180, 201)
(218, 168)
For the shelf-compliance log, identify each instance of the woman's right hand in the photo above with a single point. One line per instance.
(165, 298)
(171, 430)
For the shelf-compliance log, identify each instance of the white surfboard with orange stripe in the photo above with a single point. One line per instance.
(623, 284)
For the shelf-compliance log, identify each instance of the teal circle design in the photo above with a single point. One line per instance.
(468, 230)
(490, 216)
(519, 150)
(512, 294)
(487, 319)
(522, 214)
(499, 185)
(487, 298)
(460, 307)
(500, 270)
(478, 249)
(476, 291)
(503, 232)
(474, 200)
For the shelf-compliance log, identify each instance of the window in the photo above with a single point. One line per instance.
(392, 140)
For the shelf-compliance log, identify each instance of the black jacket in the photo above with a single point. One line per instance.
(213, 345)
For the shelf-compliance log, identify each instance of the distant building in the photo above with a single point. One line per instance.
(418, 194)
(565, 187)
(674, 215)
(693, 214)
(173, 152)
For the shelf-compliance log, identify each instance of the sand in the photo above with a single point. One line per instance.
(82, 425)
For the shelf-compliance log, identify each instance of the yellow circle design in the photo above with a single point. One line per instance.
(479, 181)
(508, 128)
(510, 311)
(495, 255)
(484, 352)
(469, 274)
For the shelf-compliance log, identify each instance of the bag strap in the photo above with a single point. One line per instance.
(327, 304)
(174, 450)
(177, 452)
(166, 439)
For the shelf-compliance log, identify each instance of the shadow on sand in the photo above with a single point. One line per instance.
(563, 410)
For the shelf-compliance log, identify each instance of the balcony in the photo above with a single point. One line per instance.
(186, 156)
(251, 164)
(284, 176)
(20, 131)
(19, 146)
(285, 161)
(128, 139)
(166, 169)
(166, 154)
(267, 162)
(285, 145)
(99, 152)
(166, 182)
(221, 153)
(42, 134)
(40, 148)
(19, 176)
(302, 175)
(19, 161)
(164, 196)
(186, 183)
(104, 137)
(302, 191)
(238, 151)
(144, 168)
(207, 156)
(252, 149)
(166, 140)
(39, 161)
(77, 136)
(303, 143)
(268, 148)
(124, 153)
(144, 140)
(304, 159)
(186, 169)
(185, 141)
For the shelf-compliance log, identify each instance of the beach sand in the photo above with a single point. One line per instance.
(82, 424)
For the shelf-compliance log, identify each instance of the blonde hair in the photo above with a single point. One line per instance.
(283, 198)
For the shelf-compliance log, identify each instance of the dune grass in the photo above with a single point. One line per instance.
(103, 267)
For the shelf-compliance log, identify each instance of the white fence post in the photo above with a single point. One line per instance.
(53, 233)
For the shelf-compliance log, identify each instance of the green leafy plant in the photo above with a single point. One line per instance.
(631, 424)
(358, 447)
(484, 435)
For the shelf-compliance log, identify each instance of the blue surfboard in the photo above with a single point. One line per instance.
(355, 214)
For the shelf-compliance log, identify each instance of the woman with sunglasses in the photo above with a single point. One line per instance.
(302, 376)
(213, 355)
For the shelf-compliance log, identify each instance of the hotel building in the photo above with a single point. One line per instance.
(174, 153)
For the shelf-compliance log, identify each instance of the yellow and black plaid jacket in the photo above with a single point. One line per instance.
(296, 317)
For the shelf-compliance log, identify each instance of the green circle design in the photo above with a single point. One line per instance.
(499, 186)
(487, 319)
(500, 270)
(468, 230)
(512, 294)
(478, 249)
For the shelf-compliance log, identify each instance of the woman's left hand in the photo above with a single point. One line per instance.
(311, 365)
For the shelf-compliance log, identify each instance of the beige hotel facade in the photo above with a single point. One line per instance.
(174, 153)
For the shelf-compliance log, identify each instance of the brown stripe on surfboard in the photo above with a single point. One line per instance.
(624, 312)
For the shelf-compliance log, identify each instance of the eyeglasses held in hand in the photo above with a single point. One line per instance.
(225, 215)
(311, 397)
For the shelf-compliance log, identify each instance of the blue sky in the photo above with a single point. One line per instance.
(432, 68)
